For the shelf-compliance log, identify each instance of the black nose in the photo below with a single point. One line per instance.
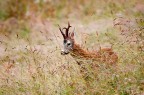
(63, 53)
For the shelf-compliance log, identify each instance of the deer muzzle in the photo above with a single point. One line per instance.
(64, 52)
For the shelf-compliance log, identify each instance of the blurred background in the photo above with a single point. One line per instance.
(19, 13)
(59, 9)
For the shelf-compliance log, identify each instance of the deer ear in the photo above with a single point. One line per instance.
(72, 35)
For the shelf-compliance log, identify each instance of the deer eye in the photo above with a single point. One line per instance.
(69, 44)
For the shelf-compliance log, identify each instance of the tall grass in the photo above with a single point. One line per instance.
(31, 63)
(28, 67)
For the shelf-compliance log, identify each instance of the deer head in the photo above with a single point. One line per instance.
(68, 41)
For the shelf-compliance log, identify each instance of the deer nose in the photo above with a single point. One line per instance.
(63, 52)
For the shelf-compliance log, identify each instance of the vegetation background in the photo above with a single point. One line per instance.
(30, 45)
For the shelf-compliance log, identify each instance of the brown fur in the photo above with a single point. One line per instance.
(103, 55)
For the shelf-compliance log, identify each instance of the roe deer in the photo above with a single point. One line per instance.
(105, 55)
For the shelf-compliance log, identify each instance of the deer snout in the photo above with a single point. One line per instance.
(64, 52)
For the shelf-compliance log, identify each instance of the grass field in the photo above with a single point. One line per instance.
(30, 47)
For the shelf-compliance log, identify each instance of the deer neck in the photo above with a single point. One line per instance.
(78, 52)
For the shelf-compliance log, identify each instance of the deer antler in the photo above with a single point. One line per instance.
(62, 32)
(67, 29)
